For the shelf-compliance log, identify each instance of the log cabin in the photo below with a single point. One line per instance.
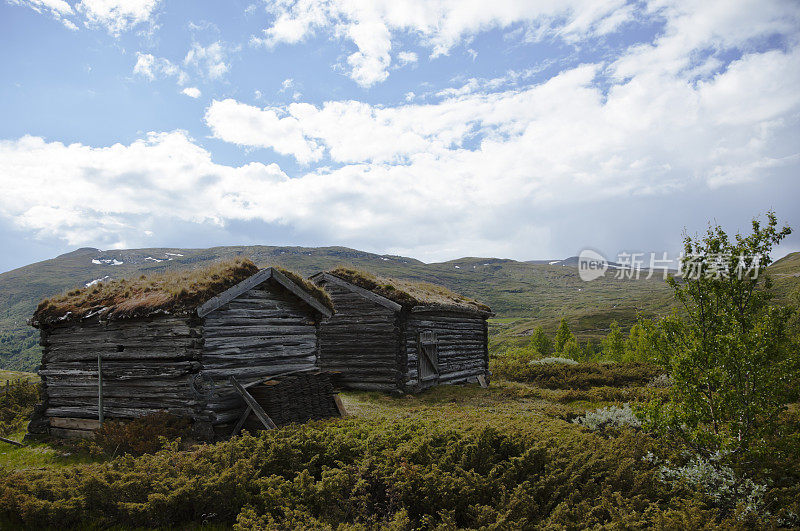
(170, 342)
(401, 336)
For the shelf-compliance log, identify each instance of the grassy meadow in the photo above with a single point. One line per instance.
(7, 377)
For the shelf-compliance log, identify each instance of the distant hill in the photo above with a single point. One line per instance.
(785, 273)
(522, 294)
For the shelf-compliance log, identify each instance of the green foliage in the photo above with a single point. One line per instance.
(21, 348)
(580, 376)
(731, 361)
(397, 474)
(645, 342)
(507, 457)
(571, 350)
(613, 345)
(563, 335)
(16, 404)
(540, 343)
(589, 350)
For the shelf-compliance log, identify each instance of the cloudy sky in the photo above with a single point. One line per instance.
(430, 128)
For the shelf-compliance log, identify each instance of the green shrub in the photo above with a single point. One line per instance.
(144, 435)
(579, 376)
(16, 405)
(613, 345)
(541, 342)
(611, 394)
(396, 473)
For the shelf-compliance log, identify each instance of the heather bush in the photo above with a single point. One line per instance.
(144, 435)
(719, 485)
(553, 360)
(609, 417)
(662, 381)
(393, 474)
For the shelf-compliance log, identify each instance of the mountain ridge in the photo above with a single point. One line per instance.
(531, 293)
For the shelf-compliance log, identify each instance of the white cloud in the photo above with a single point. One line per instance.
(695, 33)
(471, 171)
(561, 145)
(439, 24)
(58, 9)
(208, 60)
(151, 67)
(117, 15)
(249, 126)
(406, 58)
(115, 190)
(192, 92)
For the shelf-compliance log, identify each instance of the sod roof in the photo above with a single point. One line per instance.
(171, 292)
(409, 293)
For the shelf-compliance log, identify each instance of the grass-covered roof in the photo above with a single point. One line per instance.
(409, 293)
(172, 292)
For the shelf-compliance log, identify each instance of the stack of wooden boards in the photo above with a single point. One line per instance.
(297, 398)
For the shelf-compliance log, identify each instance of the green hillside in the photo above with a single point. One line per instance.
(522, 294)
(785, 273)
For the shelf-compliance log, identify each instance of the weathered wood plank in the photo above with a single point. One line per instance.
(71, 434)
(366, 294)
(233, 292)
(74, 423)
(339, 405)
(255, 406)
(241, 421)
(301, 293)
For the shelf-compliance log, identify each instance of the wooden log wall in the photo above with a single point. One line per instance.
(147, 367)
(462, 347)
(360, 342)
(263, 332)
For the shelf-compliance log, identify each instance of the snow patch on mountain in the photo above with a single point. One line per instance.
(97, 281)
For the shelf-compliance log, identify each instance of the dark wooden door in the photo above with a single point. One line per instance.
(428, 355)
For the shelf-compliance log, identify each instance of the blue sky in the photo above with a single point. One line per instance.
(435, 129)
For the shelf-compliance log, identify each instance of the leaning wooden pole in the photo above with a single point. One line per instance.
(100, 388)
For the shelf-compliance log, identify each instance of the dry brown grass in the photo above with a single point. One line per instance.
(169, 292)
(408, 293)
(315, 291)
